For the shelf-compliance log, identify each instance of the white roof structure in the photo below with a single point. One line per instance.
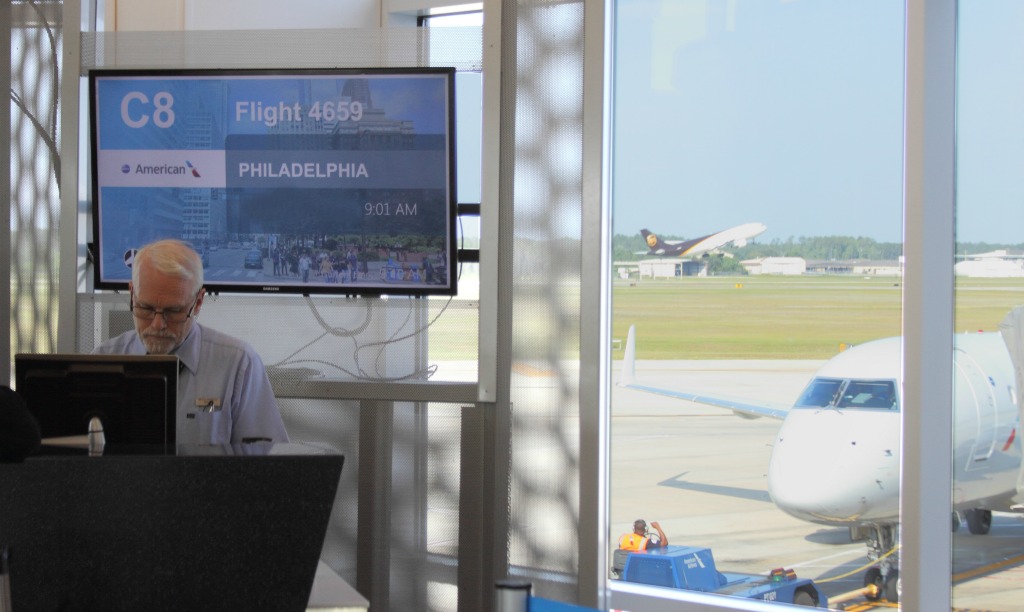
(990, 268)
(776, 265)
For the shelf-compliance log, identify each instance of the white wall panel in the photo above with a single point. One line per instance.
(147, 15)
(270, 14)
(154, 15)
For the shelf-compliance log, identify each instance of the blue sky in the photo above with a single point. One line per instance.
(790, 113)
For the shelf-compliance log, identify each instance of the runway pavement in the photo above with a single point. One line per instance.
(701, 473)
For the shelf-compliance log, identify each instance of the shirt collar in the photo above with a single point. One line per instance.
(188, 351)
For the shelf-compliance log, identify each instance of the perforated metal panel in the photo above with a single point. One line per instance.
(542, 121)
(35, 49)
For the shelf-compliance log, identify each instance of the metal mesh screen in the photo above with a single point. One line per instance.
(546, 130)
(35, 46)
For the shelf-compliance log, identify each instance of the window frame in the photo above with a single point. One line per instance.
(929, 100)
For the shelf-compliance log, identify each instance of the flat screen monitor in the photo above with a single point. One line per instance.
(134, 396)
(285, 181)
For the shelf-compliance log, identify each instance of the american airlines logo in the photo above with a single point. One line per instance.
(162, 169)
(187, 168)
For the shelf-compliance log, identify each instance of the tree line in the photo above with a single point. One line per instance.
(816, 248)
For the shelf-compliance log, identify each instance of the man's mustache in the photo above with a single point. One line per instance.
(159, 338)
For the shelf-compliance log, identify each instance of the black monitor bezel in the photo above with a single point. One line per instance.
(450, 288)
(63, 420)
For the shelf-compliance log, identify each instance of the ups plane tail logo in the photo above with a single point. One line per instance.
(652, 239)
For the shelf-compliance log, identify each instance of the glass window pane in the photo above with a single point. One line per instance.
(454, 16)
(989, 279)
(757, 221)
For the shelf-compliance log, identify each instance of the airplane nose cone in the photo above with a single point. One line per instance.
(833, 467)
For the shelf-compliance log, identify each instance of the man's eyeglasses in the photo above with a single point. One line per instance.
(170, 315)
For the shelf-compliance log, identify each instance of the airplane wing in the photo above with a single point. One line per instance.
(689, 247)
(743, 408)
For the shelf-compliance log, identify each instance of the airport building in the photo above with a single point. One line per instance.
(476, 428)
(782, 266)
(673, 267)
(995, 264)
(861, 267)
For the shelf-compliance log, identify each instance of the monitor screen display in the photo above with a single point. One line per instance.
(134, 396)
(284, 181)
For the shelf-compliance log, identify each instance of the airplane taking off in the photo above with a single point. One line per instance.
(836, 457)
(737, 236)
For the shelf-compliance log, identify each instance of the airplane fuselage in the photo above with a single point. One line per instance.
(836, 457)
(737, 236)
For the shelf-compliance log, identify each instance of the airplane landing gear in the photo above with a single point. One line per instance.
(888, 587)
(874, 576)
(892, 586)
(885, 575)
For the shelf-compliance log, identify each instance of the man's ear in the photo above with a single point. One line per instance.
(199, 301)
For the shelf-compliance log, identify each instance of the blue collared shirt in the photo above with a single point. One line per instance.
(224, 395)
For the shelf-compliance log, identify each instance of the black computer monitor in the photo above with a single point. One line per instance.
(134, 396)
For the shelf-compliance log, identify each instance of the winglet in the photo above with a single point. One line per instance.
(629, 359)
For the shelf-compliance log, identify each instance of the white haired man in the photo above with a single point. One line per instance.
(224, 395)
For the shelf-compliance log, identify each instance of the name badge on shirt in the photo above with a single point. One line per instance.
(206, 404)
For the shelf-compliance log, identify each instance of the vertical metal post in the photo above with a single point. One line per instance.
(373, 541)
(5, 187)
(929, 196)
(490, 202)
(408, 505)
(70, 80)
(595, 329)
(471, 500)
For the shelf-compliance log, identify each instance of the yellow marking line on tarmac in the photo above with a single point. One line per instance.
(984, 569)
(870, 605)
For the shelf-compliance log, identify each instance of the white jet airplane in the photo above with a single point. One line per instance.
(836, 457)
(705, 245)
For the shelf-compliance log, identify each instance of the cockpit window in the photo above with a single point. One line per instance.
(824, 392)
(869, 394)
(820, 393)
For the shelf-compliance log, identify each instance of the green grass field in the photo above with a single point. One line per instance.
(772, 317)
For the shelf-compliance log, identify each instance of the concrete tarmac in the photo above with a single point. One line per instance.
(701, 472)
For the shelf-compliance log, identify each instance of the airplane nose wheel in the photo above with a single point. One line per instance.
(884, 577)
(892, 586)
(874, 576)
(888, 587)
